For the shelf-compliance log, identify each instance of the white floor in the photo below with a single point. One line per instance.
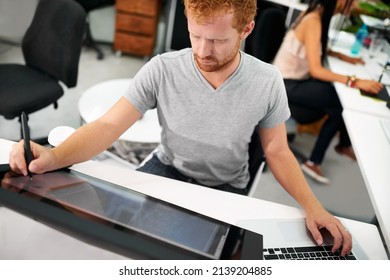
(346, 195)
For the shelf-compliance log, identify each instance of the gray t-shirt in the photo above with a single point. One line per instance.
(206, 131)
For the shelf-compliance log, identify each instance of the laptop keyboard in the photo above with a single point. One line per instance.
(305, 253)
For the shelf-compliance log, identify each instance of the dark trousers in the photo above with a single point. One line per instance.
(156, 167)
(321, 96)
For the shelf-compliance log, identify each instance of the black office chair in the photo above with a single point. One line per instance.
(256, 163)
(268, 35)
(90, 5)
(51, 49)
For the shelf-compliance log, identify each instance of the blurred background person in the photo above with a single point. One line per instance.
(309, 84)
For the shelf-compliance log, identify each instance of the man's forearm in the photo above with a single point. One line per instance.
(287, 172)
(84, 144)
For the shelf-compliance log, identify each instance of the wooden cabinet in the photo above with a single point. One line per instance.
(136, 26)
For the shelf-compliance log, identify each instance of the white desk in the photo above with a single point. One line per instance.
(373, 154)
(361, 115)
(22, 238)
(5, 148)
(292, 5)
(350, 97)
(374, 22)
(96, 100)
(234, 208)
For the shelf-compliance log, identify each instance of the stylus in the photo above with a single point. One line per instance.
(381, 76)
(26, 138)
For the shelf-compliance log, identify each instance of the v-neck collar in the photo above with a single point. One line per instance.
(224, 84)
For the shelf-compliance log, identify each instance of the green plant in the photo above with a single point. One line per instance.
(375, 8)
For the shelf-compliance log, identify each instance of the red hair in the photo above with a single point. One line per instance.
(244, 10)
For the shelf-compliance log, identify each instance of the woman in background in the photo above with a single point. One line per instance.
(309, 84)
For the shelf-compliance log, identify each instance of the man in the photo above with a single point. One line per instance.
(209, 100)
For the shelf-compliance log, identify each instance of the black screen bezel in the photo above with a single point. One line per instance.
(129, 243)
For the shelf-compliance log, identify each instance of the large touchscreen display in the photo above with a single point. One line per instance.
(99, 200)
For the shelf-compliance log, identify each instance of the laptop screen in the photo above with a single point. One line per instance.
(122, 209)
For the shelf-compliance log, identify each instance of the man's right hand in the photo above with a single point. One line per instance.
(43, 159)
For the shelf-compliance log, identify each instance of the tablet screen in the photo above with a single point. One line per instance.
(101, 201)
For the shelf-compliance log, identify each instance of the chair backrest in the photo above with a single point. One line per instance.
(256, 162)
(53, 41)
(268, 34)
(90, 5)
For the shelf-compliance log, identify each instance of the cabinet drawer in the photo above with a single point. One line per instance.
(143, 7)
(134, 44)
(135, 23)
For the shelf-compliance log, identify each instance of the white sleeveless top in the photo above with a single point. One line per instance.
(291, 58)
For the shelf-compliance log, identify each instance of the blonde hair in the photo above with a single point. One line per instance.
(244, 10)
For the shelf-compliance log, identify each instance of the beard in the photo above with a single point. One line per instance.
(212, 64)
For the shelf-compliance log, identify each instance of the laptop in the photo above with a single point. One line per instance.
(289, 239)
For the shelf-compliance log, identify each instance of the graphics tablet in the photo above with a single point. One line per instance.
(119, 219)
(382, 95)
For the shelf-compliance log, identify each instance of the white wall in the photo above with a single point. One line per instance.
(102, 23)
(15, 17)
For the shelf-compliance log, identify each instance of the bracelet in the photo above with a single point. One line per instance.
(351, 81)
